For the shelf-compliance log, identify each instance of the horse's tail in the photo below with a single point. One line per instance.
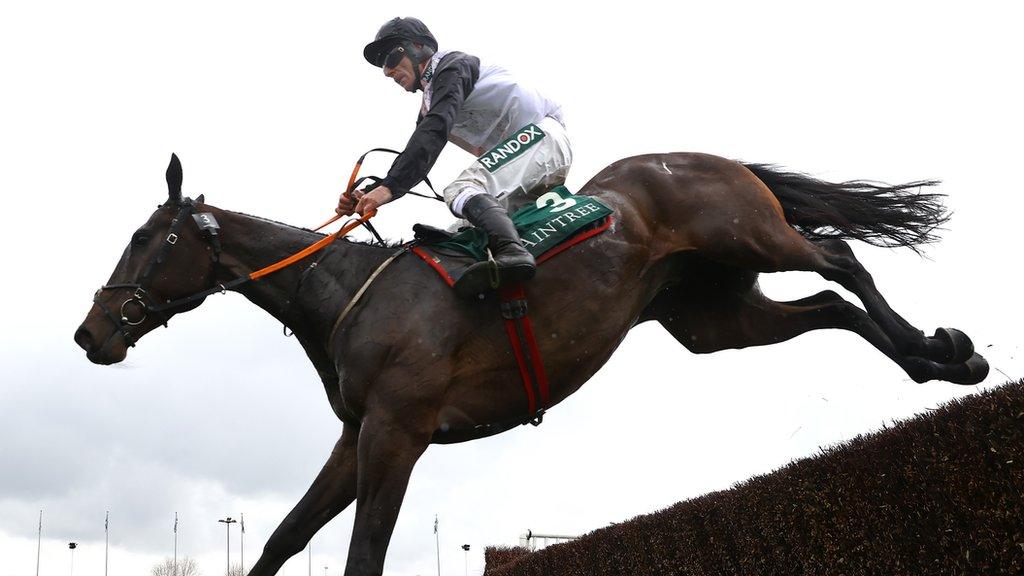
(876, 213)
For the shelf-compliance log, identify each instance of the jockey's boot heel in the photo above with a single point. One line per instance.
(513, 260)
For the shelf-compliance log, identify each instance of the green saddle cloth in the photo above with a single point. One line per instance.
(553, 218)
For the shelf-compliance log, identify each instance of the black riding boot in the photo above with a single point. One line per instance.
(515, 263)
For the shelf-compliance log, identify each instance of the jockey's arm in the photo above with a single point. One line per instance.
(451, 85)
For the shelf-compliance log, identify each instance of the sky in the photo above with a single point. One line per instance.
(268, 106)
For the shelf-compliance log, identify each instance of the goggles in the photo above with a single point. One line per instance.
(394, 57)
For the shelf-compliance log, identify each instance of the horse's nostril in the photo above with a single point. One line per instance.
(83, 338)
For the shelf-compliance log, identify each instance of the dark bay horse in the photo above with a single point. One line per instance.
(413, 365)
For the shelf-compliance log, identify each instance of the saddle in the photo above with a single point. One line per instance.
(552, 224)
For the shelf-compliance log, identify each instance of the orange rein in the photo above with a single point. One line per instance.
(326, 240)
(319, 245)
(348, 189)
(331, 237)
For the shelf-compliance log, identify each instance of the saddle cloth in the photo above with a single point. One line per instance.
(553, 223)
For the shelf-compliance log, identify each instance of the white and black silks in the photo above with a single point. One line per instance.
(473, 105)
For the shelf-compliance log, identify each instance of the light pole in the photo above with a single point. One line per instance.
(242, 526)
(175, 544)
(227, 523)
(465, 554)
(106, 542)
(437, 546)
(72, 546)
(39, 542)
(325, 570)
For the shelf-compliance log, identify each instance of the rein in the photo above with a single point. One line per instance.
(141, 298)
(354, 181)
(208, 225)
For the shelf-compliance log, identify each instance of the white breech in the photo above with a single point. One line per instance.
(541, 166)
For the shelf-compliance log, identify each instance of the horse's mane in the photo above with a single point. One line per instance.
(283, 224)
(388, 243)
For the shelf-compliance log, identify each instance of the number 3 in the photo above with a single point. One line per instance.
(557, 202)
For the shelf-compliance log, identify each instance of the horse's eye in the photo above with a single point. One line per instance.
(140, 239)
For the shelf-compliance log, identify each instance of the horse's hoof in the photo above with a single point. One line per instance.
(920, 370)
(976, 371)
(959, 347)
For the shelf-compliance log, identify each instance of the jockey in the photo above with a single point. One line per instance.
(516, 132)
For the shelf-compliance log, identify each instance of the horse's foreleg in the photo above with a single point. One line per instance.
(331, 492)
(389, 447)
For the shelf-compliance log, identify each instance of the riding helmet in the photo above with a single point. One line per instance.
(395, 32)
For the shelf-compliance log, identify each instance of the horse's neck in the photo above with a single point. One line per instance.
(250, 243)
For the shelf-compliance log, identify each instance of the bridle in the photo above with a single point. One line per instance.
(210, 230)
(140, 295)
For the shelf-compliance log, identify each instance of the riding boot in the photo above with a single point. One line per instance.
(514, 262)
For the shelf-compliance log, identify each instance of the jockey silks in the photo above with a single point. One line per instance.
(530, 160)
(475, 106)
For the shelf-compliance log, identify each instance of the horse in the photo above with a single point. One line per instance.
(412, 364)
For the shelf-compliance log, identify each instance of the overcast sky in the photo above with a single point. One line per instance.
(268, 107)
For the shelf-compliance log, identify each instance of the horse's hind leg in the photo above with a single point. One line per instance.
(947, 345)
(705, 323)
(331, 492)
(748, 230)
(736, 314)
(785, 249)
(718, 211)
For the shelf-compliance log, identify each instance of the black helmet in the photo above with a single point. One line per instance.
(395, 32)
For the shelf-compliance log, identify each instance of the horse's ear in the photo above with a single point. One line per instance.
(201, 199)
(174, 180)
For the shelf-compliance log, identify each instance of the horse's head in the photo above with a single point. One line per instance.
(169, 258)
